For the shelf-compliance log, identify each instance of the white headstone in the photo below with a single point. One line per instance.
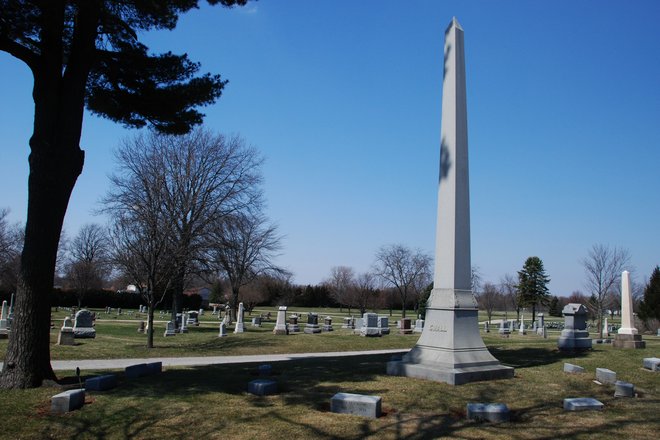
(280, 324)
(627, 317)
(240, 327)
(223, 330)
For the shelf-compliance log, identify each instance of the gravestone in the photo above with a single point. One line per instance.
(293, 324)
(170, 329)
(521, 329)
(141, 327)
(66, 336)
(582, 404)
(370, 325)
(327, 324)
(240, 326)
(193, 319)
(223, 330)
(540, 320)
(280, 324)
(652, 363)
(603, 375)
(450, 348)
(265, 370)
(349, 322)
(83, 325)
(623, 389)
(228, 320)
(627, 336)
(504, 329)
(4, 312)
(405, 327)
(486, 327)
(312, 325)
(262, 387)
(574, 336)
(384, 325)
(215, 310)
(181, 319)
(491, 412)
(101, 383)
(359, 323)
(67, 401)
(419, 326)
(135, 371)
(256, 321)
(356, 404)
(570, 368)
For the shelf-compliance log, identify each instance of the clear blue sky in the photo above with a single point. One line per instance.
(343, 98)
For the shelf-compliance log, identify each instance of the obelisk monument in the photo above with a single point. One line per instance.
(450, 348)
(627, 336)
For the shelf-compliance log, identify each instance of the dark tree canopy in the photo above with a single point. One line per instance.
(649, 307)
(532, 284)
(126, 83)
(84, 53)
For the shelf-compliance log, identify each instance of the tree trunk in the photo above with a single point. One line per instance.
(52, 177)
(150, 323)
(56, 161)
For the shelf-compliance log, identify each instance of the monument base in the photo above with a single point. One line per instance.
(452, 376)
(572, 340)
(628, 341)
(450, 348)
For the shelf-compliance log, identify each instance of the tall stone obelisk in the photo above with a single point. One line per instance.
(450, 348)
(627, 336)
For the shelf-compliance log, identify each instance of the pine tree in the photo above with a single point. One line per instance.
(649, 307)
(554, 308)
(532, 281)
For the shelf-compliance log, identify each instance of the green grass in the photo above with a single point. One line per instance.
(211, 402)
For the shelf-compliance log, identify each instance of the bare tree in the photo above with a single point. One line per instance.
(364, 291)
(243, 247)
(489, 298)
(202, 177)
(87, 265)
(508, 288)
(11, 242)
(143, 253)
(402, 267)
(603, 266)
(341, 284)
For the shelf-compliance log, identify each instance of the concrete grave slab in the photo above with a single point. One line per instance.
(262, 387)
(135, 371)
(356, 404)
(604, 375)
(624, 389)
(101, 383)
(67, 401)
(652, 364)
(491, 412)
(570, 368)
(582, 404)
(154, 368)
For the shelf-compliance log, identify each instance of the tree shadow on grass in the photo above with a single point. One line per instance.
(310, 383)
(526, 357)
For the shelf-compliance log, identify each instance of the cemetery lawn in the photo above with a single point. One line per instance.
(212, 402)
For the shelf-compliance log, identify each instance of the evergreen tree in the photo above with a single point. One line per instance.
(554, 308)
(532, 281)
(649, 307)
